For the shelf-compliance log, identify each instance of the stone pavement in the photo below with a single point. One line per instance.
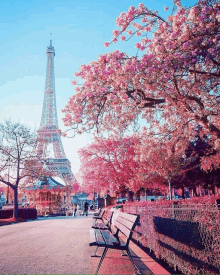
(61, 246)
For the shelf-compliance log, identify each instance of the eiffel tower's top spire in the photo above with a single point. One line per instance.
(50, 49)
(49, 112)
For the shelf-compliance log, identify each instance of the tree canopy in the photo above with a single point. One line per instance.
(172, 84)
(17, 161)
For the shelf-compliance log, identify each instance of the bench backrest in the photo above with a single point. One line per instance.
(125, 223)
(102, 212)
(108, 217)
(98, 213)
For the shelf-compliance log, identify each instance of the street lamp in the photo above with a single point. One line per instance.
(8, 180)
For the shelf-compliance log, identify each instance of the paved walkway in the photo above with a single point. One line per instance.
(61, 245)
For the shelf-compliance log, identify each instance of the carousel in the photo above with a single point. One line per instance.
(48, 196)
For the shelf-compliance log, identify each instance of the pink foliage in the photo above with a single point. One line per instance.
(173, 86)
(109, 164)
(131, 162)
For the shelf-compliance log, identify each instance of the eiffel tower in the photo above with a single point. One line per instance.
(49, 145)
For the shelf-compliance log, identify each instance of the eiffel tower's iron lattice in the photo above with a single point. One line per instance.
(49, 145)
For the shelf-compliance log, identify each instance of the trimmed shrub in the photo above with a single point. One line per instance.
(23, 213)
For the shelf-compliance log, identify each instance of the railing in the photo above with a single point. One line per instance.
(186, 236)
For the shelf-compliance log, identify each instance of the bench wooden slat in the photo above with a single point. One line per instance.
(99, 225)
(97, 218)
(92, 237)
(122, 228)
(110, 213)
(96, 224)
(129, 217)
(125, 222)
(99, 238)
(108, 218)
(109, 238)
(100, 215)
(106, 222)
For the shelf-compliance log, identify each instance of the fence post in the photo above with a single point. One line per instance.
(218, 203)
(174, 257)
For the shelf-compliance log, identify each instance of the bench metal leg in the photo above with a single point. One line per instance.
(130, 257)
(101, 260)
(124, 253)
(95, 252)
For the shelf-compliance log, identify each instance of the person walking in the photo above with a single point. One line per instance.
(78, 210)
(85, 208)
(75, 209)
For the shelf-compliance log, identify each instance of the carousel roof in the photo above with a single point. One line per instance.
(47, 181)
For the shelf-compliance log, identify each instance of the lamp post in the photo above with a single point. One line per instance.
(170, 190)
(8, 181)
(94, 197)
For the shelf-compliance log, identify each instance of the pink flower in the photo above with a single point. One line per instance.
(138, 45)
(166, 8)
(129, 32)
(115, 32)
(106, 44)
(123, 38)
(74, 82)
(138, 26)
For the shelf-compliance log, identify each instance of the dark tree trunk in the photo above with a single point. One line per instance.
(15, 202)
(130, 195)
(183, 192)
(7, 194)
(194, 191)
(213, 189)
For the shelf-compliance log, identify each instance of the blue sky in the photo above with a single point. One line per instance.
(78, 29)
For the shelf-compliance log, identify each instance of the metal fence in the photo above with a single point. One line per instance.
(187, 236)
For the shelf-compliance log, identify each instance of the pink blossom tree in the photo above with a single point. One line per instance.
(172, 84)
(118, 165)
(161, 161)
(109, 164)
